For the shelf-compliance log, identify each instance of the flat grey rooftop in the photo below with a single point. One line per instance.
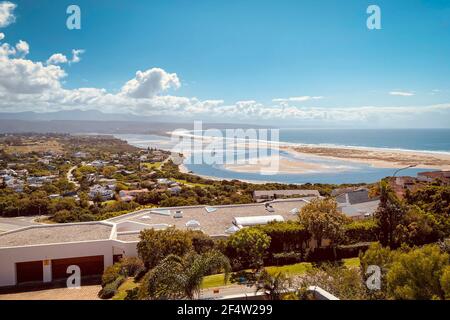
(214, 223)
(62, 233)
(128, 237)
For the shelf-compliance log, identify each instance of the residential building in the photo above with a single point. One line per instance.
(266, 195)
(129, 195)
(43, 253)
(352, 197)
(432, 176)
(104, 192)
(356, 204)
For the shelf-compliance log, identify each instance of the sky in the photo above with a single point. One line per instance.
(290, 63)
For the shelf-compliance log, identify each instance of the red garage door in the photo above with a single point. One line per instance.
(29, 271)
(89, 266)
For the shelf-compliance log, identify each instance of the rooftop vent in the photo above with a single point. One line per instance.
(294, 211)
(161, 212)
(193, 225)
(146, 217)
(232, 229)
(256, 220)
(178, 214)
(210, 209)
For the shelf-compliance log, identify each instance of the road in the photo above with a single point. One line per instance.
(226, 291)
(71, 178)
(9, 224)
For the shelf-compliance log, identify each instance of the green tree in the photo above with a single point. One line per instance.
(417, 274)
(250, 245)
(155, 245)
(322, 219)
(419, 227)
(380, 256)
(181, 277)
(273, 286)
(445, 282)
(344, 283)
(109, 171)
(389, 215)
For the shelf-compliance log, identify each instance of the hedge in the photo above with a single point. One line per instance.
(361, 231)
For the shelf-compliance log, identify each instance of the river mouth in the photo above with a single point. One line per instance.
(293, 167)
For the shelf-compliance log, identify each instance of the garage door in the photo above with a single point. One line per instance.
(29, 271)
(89, 266)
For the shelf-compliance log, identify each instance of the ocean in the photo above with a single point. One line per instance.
(431, 140)
(405, 139)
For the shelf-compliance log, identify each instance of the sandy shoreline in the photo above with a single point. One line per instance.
(277, 166)
(306, 159)
(376, 157)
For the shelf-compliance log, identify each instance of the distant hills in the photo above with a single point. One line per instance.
(94, 121)
(81, 115)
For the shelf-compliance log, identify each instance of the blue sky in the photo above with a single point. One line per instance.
(251, 51)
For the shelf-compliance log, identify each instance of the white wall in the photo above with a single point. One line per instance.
(10, 256)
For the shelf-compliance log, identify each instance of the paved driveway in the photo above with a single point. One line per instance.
(84, 293)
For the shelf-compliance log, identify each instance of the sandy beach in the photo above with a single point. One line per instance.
(376, 157)
(279, 166)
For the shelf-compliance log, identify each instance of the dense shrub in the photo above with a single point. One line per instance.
(126, 267)
(201, 241)
(338, 253)
(344, 283)
(111, 274)
(361, 231)
(110, 289)
(285, 236)
(284, 258)
(155, 245)
(250, 245)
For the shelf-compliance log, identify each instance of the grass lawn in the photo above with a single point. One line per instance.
(35, 146)
(191, 184)
(217, 280)
(129, 284)
(109, 202)
(352, 263)
(153, 165)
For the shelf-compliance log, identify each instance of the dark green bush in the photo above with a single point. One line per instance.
(110, 289)
(361, 231)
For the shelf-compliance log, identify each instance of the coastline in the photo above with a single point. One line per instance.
(378, 158)
(306, 159)
(373, 156)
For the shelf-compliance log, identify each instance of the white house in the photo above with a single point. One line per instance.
(43, 253)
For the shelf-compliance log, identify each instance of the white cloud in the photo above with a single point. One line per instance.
(2, 36)
(57, 58)
(23, 48)
(6, 13)
(297, 99)
(401, 93)
(22, 76)
(148, 83)
(27, 85)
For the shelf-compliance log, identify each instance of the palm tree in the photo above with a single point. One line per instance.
(181, 277)
(274, 286)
